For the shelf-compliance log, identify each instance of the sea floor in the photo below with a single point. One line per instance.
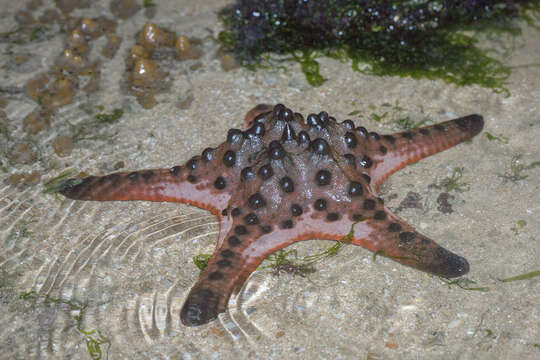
(81, 279)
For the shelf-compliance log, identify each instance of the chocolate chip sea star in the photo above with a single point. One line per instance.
(286, 179)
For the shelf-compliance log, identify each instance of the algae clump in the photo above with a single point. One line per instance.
(420, 39)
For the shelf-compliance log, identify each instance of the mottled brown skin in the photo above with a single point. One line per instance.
(286, 179)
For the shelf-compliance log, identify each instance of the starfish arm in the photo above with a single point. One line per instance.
(171, 185)
(239, 252)
(210, 295)
(386, 234)
(236, 256)
(206, 181)
(400, 149)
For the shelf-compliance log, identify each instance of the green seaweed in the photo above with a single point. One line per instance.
(530, 12)
(94, 339)
(50, 164)
(406, 123)
(38, 33)
(60, 182)
(7, 280)
(148, 3)
(6, 36)
(309, 66)
(378, 117)
(91, 129)
(4, 130)
(525, 276)
(438, 41)
(20, 231)
(457, 61)
(499, 137)
(113, 117)
(201, 260)
(452, 182)
(395, 115)
(29, 33)
(464, 283)
(517, 167)
(289, 261)
(436, 339)
(519, 225)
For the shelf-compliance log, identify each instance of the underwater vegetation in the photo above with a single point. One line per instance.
(416, 38)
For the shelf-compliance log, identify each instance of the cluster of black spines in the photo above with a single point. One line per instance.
(256, 131)
(229, 159)
(326, 125)
(322, 124)
(286, 117)
(283, 118)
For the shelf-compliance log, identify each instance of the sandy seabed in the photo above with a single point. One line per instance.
(131, 263)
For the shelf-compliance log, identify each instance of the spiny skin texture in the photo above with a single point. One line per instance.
(286, 179)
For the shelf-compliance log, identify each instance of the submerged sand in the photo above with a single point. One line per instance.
(131, 263)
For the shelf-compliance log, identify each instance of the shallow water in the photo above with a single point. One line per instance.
(130, 264)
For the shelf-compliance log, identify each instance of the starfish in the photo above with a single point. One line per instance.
(285, 179)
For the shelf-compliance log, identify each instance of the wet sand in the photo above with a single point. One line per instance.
(131, 263)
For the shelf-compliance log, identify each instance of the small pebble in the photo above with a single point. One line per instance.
(63, 145)
(22, 153)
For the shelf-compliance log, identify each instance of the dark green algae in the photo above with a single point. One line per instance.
(420, 39)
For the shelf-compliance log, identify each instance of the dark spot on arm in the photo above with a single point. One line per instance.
(234, 241)
(296, 210)
(216, 275)
(333, 216)
(134, 176)
(406, 236)
(323, 177)
(175, 170)
(394, 227)
(320, 204)
(287, 224)
(220, 183)
(369, 204)
(229, 158)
